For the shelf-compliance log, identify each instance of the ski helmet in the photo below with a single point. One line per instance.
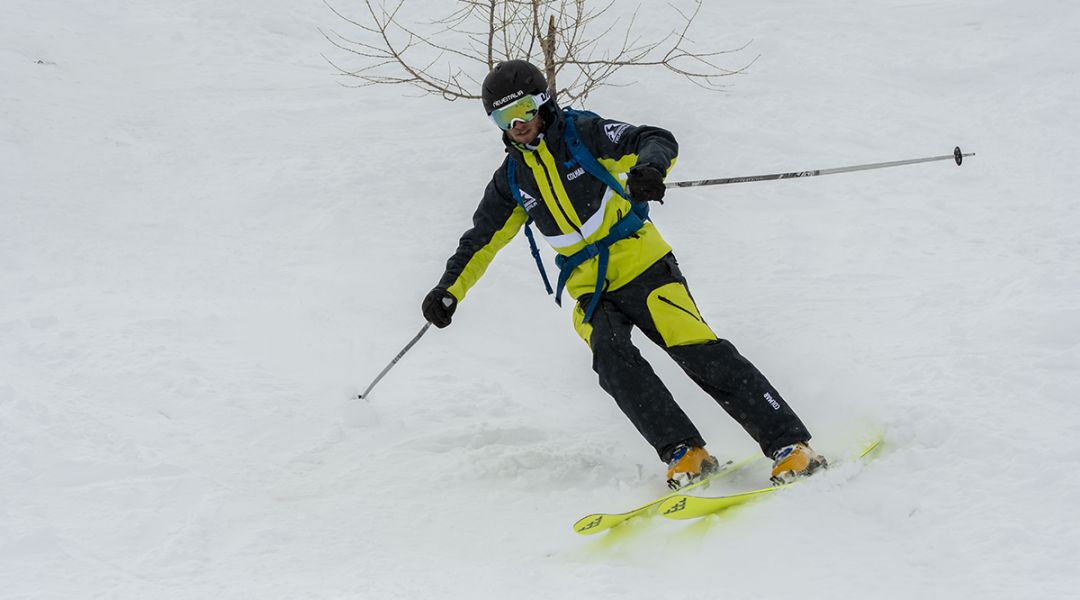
(510, 80)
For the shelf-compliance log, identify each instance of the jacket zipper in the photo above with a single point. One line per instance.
(666, 301)
(551, 186)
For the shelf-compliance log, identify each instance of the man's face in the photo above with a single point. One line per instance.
(523, 133)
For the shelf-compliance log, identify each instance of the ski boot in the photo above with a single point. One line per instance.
(689, 464)
(794, 461)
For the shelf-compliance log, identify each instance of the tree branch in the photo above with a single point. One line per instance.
(449, 55)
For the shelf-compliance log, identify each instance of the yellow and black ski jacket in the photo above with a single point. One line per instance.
(570, 208)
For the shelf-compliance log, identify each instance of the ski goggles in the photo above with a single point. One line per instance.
(524, 110)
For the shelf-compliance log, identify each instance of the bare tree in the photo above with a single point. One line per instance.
(450, 55)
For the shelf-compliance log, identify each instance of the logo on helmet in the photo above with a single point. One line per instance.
(506, 99)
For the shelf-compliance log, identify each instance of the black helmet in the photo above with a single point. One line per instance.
(510, 80)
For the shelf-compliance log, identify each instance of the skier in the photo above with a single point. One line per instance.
(618, 268)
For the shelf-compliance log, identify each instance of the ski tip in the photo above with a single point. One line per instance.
(872, 445)
(588, 525)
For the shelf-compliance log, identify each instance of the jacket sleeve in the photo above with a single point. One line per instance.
(620, 146)
(495, 222)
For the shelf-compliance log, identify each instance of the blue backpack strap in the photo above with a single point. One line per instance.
(626, 226)
(620, 231)
(511, 179)
(585, 158)
(592, 166)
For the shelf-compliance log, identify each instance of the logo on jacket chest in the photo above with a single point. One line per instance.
(528, 200)
(572, 175)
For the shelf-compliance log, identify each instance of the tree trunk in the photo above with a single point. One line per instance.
(548, 46)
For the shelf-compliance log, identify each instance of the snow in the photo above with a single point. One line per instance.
(208, 246)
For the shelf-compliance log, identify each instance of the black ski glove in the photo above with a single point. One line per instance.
(439, 305)
(646, 183)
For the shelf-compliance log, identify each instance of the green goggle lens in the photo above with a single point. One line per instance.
(524, 110)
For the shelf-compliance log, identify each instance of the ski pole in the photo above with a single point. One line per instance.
(423, 330)
(956, 155)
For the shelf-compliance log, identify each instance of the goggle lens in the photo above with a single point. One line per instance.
(524, 110)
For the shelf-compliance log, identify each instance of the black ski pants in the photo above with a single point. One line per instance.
(658, 303)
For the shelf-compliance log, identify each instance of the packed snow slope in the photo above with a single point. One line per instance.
(208, 246)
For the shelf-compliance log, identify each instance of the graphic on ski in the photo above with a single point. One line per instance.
(681, 506)
(598, 522)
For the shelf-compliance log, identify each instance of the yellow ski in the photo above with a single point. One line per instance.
(681, 506)
(598, 522)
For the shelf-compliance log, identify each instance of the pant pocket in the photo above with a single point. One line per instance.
(676, 317)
